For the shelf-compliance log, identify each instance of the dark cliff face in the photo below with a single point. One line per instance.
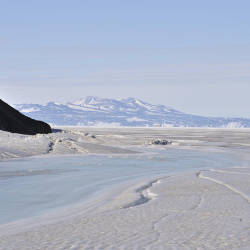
(13, 121)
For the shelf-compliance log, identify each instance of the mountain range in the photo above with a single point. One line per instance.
(129, 112)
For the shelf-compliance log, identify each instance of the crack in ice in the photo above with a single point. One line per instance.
(233, 189)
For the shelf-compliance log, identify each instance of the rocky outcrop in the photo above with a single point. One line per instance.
(161, 142)
(13, 121)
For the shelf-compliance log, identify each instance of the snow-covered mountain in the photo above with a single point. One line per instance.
(94, 111)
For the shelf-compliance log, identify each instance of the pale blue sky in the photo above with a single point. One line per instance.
(191, 55)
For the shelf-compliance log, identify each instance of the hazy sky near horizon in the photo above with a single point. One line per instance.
(191, 55)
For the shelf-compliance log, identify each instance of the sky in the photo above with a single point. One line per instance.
(191, 55)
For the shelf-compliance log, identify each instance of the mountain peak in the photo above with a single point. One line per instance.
(87, 101)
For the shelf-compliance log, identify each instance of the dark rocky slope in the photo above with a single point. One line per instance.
(13, 121)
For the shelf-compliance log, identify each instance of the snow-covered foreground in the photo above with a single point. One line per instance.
(209, 210)
(163, 207)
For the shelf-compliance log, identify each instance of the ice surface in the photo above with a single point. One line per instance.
(193, 194)
(188, 212)
(33, 186)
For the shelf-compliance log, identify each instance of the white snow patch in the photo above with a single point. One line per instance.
(135, 119)
(29, 110)
(83, 108)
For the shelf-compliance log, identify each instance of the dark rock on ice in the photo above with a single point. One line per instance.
(161, 142)
(13, 121)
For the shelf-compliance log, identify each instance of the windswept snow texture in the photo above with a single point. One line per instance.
(130, 112)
